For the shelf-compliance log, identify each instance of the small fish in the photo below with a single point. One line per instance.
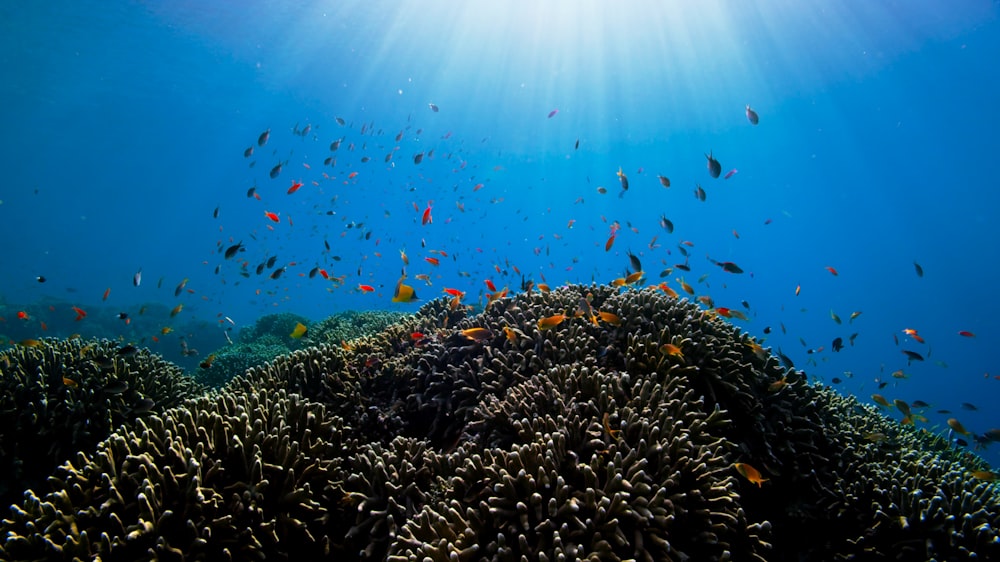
(553, 113)
(671, 349)
(918, 269)
(577, 145)
(248, 152)
(666, 224)
(714, 167)
(634, 261)
(80, 313)
(834, 316)
(957, 426)
(880, 400)
(180, 287)
(426, 217)
(176, 310)
(299, 331)
(610, 318)
(276, 170)
(730, 174)
(699, 194)
(137, 278)
(664, 181)
(276, 274)
(832, 271)
(233, 250)
(262, 139)
(30, 343)
(107, 292)
(729, 267)
(295, 187)
(966, 334)
(623, 179)
(207, 363)
(403, 293)
(752, 116)
(550, 322)
(433, 107)
(968, 406)
(838, 344)
(986, 475)
(418, 158)
(40, 279)
(366, 288)
(127, 350)
(912, 355)
(477, 334)
(750, 473)
(215, 213)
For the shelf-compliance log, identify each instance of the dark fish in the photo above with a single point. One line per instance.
(276, 170)
(745, 304)
(248, 152)
(313, 272)
(752, 116)
(838, 344)
(271, 260)
(919, 270)
(40, 279)
(683, 250)
(336, 258)
(913, 355)
(260, 269)
(699, 193)
(664, 181)
(729, 266)
(399, 136)
(123, 316)
(251, 191)
(365, 159)
(836, 380)
(277, 273)
(919, 404)
(634, 261)
(215, 213)
(767, 329)
(714, 168)
(967, 406)
(340, 121)
(683, 266)
(666, 272)
(433, 107)
(262, 139)
(233, 250)
(785, 360)
(577, 145)
(327, 244)
(336, 144)
(388, 158)
(127, 350)
(144, 406)
(418, 158)
(116, 387)
(666, 224)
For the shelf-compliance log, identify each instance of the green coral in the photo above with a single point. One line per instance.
(351, 324)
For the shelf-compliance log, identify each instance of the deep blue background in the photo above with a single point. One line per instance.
(124, 127)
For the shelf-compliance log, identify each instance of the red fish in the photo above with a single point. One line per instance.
(22, 315)
(352, 175)
(433, 261)
(366, 288)
(427, 218)
(490, 285)
(295, 187)
(80, 313)
(274, 217)
(966, 333)
(832, 270)
(106, 293)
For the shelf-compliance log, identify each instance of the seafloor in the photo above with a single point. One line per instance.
(590, 439)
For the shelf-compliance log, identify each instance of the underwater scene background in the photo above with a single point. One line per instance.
(211, 181)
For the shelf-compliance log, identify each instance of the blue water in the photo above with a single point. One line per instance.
(124, 127)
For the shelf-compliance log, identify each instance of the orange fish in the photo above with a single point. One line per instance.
(352, 175)
(551, 321)
(634, 277)
(832, 270)
(750, 473)
(176, 310)
(957, 426)
(454, 292)
(366, 288)
(798, 289)
(671, 349)
(22, 315)
(433, 261)
(106, 293)
(426, 218)
(80, 313)
(70, 383)
(880, 400)
(609, 243)
(404, 257)
(610, 318)
(274, 217)
(477, 334)
(295, 187)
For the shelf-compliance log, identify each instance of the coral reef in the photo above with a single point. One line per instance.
(348, 325)
(63, 396)
(581, 423)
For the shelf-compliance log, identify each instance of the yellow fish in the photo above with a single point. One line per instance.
(299, 331)
(750, 473)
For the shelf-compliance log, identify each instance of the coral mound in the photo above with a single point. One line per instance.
(583, 423)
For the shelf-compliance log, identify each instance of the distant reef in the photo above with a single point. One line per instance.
(588, 422)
